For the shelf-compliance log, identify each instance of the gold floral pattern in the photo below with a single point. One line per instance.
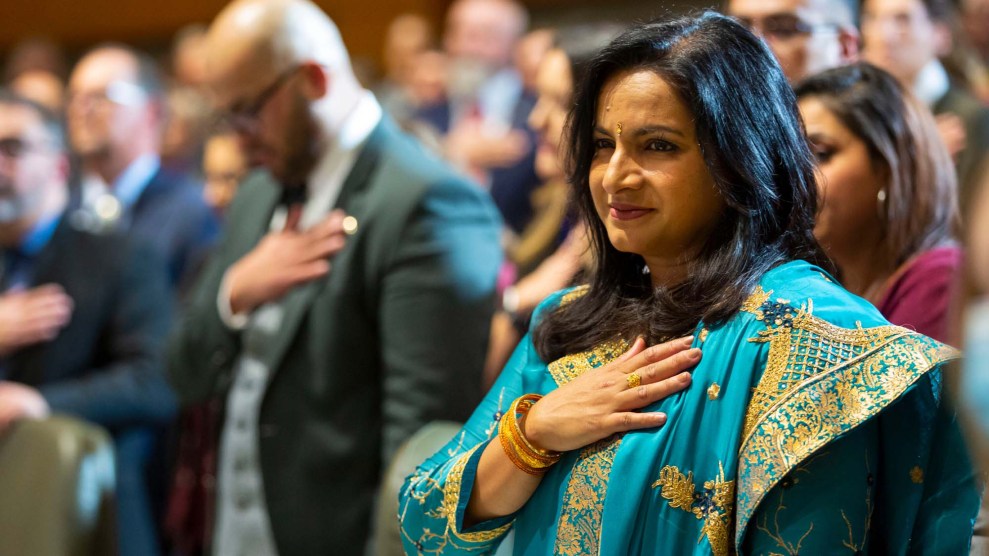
(917, 475)
(713, 391)
(713, 505)
(579, 530)
(820, 381)
(567, 368)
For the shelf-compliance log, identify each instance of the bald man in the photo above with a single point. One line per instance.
(348, 303)
(806, 36)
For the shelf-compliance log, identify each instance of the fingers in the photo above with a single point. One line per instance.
(632, 420)
(643, 395)
(655, 353)
(670, 366)
(637, 346)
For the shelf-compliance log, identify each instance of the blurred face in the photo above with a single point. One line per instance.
(554, 84)
(30, 166)
(224, 166)
(482, 32)
(271, 116)
(648, 179)
(407, 37)
(106, 107)
(795, 30)
(848, 182)
(428, 82)
(899, 37)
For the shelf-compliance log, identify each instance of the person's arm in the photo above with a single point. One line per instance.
(449, 476)
(131, 388)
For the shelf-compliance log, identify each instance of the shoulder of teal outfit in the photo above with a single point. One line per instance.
(834, 363)
(433, 500)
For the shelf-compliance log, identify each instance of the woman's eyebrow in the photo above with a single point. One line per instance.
(645, 130)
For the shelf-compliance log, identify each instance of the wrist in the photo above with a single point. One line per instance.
(525, 455)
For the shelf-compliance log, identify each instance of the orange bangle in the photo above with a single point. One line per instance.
(519, 450)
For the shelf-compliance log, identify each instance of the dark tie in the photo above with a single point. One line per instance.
(293, 195)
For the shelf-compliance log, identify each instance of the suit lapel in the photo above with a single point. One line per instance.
(297, 303)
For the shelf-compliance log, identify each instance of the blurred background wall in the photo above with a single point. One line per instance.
(78, 24)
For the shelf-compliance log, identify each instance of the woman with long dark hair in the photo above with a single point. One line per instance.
(889, 194)
(809, 424)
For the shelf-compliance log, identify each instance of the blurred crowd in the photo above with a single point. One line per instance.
(136, 263)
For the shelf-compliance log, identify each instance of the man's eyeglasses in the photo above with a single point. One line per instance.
(122, 93)
(13, 148)
(246, 113)
(779, 26)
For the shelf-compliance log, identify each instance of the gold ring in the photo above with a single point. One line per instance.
(633, 380)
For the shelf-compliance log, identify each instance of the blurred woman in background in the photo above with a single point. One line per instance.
(888, 192)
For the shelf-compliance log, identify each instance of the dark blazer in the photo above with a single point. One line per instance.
(973, 160)
(392, 338)
(511, 187)
(172, 216)
(106, 365)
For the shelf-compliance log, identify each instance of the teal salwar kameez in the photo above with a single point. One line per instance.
(812, 426)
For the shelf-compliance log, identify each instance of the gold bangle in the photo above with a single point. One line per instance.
(519, 450)
(508, 445)
(521, 406)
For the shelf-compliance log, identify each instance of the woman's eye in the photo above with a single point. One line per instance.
(600, 144)
(823, 154)
(660, 146)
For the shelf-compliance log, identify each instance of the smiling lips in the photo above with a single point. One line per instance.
(622, 211)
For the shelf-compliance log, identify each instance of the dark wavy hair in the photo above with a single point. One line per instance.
(753, 144)
(921, 207)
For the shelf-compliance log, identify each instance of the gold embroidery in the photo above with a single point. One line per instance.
(713, 391)
(703, 335)
(570, 367)
(850, 544)
(820, 381)
(421, 487)
(714, 504)
(755, 301)
(676, 487)
(573, 294)
(579, 530)
(917, 475)
(777, 535)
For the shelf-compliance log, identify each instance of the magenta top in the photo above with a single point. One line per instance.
(918, 295)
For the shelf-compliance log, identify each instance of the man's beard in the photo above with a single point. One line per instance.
(466, 76)
(12, 205)
(301, 145)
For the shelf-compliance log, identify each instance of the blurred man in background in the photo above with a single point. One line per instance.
(484, 116)
(329, 336)
(82, 317)
(806, 36)
(115, 115)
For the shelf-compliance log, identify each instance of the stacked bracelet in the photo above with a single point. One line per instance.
(523, 454)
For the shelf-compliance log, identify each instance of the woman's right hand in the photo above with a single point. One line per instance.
(599, 402)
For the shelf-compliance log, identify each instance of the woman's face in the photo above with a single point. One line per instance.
(848, 182)
(554, 84)
(648, 179)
